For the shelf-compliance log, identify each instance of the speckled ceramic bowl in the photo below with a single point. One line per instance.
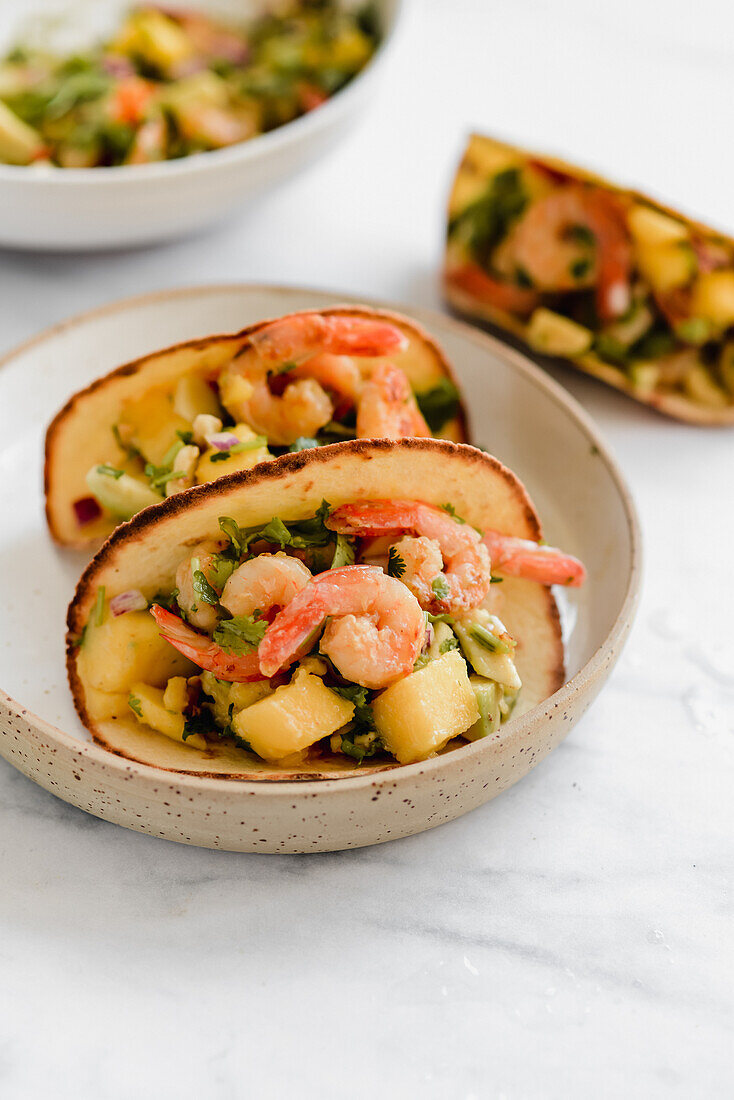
(518, 414)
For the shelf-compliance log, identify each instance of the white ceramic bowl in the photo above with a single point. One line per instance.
(70, 208)
(517, 412)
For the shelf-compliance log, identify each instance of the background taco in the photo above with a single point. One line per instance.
(130, 685)
(604, 277)
(206, 408)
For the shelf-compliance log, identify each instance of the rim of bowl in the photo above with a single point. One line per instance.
(588, 672)
(239, 153)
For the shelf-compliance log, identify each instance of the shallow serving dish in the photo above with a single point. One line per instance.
(518, 414)
(78, 208)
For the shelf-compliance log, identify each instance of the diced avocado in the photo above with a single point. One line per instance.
(19, 142)
(126, 648)
(214, 463)
(195, 397)
(488, 694)
(553, 334)
(667, 266)
(726, 366)
(644, 376)
(700, 386)
(151, 424)
(496, 665)
(713, 298)
(442, 635)
(238, 696)
(292, 717)
(418, 715)
(649, 226)
(121, 494)
(147, 704)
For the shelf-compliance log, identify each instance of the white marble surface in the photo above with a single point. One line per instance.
(571, 939)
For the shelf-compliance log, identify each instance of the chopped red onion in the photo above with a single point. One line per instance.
(86, 509)
(428, 639)
(222, 441)
(134, 600)
(117, 65)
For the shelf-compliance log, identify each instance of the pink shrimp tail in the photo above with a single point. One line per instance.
(513, 557)
(204, 652)
(613, 295)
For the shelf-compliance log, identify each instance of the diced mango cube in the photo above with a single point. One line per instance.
(194, 397)
(123, 650)
(418, 715)
(151, 423)
(148, 706)
(667, 266)
(713, 298)
(293, 717)
(213, 464)
(650, 226)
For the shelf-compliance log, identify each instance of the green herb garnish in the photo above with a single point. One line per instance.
(448, 644)
(395, 564)
(452, 512)
(488, 640)
(98, 612)
(187, 438)
(579, 268)
(110, 471)
(439, 405)
(343, 553)
(201, 585)
(200, 724)
(582, 234)
(134, 703)
(440, 587)
(240, 634)
(487, 220)
(239, 448)
(304, 443)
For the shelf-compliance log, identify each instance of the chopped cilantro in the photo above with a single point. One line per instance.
(522, 278)
(98, 612)
(421, 661)
(487, 220)
(448, 644)
(130, 451)
(579, 268)
(361, 745)
(187, 438)
(439, 405)
(110, 471)
(229, 527)
(496, 580)
(440, 587)
(221, 570)
(452, 512)
(611, 350)
(343, 553)
(201, 585)
(239, 635)
(166, 600)
(395, 564)
(353, 692)
(200, 724)
(582, 234)
(134, 703)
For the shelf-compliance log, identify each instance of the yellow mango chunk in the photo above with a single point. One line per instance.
(211, 465)
(233, 389)
(151, 424)
(176, 695)
(553, 334)
(147, 704)
(649, 226)
(194, 397)
(713, 298)
(126, 649)
(103, 705)
(419, 714)
(293, 717)
(667, 266)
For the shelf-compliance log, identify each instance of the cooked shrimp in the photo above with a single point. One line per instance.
(423, 562)
(513, 557)
(374, 634)
(195, 610)
(316, 353)
(546, 244)
(264, 582)
(491, 290)
(465, 577)
(387, 407)
(205, 653)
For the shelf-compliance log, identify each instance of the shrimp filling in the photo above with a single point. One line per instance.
(597, 275)
(366, 630)
(301, 381)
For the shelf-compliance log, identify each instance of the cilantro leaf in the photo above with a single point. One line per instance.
(166, 600)
(240, 634)
(304, 443)
(343, 553)
(452, 512)
(187, 438)
(221, 570)
(201, 723)
(353, 692)
(201, 585)
(439, 404)
(448, 644)
(229, 527)
(134, 703)
(395, 564)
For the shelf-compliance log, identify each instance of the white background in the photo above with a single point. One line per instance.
(572, 938)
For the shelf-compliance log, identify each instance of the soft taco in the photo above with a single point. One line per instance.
(206, 408)
(621, 287)
(328, 612)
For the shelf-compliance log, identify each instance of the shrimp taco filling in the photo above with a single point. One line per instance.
(299, 382)
(174, 81)
(371, 630)
(598, 275)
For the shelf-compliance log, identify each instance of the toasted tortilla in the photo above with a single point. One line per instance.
(80, 435)
(483, 157)
(145, 553)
